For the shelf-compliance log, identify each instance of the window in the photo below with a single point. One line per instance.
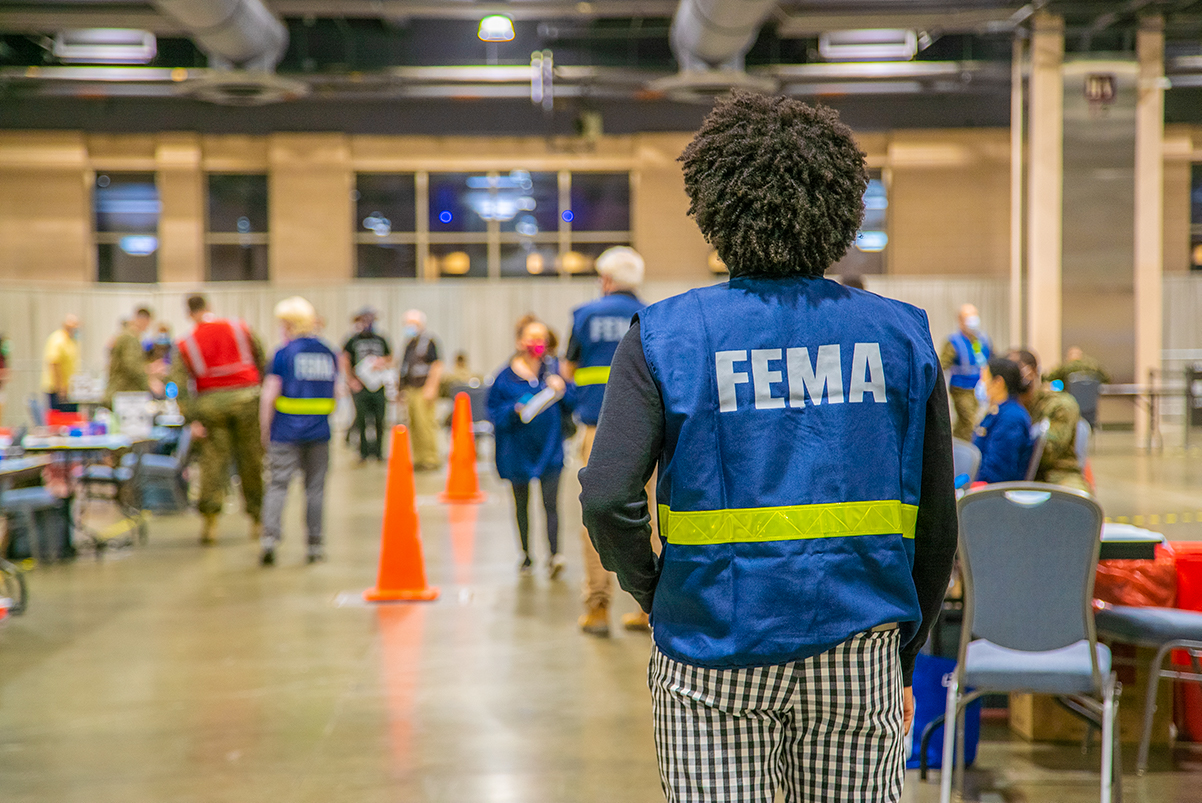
(237, 234)
(490, 224)
(867, 252)
(126, 208)
(386, 222)
(1195, 219)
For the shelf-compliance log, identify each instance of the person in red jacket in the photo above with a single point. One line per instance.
(218, 373)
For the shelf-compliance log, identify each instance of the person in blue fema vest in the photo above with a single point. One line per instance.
(1004, 436)
(962, 356)
(597, 327)
(805, 497)
(294, 415)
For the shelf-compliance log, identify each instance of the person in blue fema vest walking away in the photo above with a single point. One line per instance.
(963, 355)
(597, 328)
(805, 495)
(294, 414)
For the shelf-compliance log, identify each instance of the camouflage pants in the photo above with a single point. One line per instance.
(964, 400)
(231, 421)
(1068, 479)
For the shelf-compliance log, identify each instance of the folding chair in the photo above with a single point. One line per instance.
(966, 460)
(1039, 441)
(1028, 552)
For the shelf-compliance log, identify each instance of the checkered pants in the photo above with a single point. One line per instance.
(828, 728)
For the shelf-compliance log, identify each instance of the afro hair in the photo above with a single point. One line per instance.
(775, 185)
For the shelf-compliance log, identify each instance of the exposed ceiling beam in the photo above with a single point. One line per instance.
(456, 9)
(986, 20)
(52, 20)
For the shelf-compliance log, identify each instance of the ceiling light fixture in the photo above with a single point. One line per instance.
(868, 45)
(496, 28)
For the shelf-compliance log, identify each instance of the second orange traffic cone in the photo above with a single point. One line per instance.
(402, 573)
(463, 487)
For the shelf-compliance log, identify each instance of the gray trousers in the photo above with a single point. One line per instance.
(284, 460)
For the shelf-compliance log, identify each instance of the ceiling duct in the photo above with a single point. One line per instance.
(709, 39)
(241, 34)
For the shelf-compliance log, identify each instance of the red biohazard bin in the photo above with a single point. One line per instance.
(56, 418)
(1187, 699)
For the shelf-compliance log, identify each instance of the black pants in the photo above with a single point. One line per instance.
(549, 483)
(370, 406)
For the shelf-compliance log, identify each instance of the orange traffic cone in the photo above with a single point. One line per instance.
(402, 571)
(462, 485)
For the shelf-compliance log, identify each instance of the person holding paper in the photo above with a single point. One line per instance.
(366, 359)
(526, 404)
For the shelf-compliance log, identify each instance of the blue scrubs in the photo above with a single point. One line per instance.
(1004, 439)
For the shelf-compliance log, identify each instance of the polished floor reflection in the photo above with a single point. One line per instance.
(175, 673)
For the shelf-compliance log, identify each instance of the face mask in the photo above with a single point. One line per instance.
(410, 331)
(536, 349)
(973, 322)
(982, 392)
(75, 334)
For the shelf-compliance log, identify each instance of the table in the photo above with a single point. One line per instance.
(1147, 396)
(12, 583)
(1127, 542)
(88, 450)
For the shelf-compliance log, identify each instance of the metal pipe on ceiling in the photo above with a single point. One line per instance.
(233, 33)
(716, 33)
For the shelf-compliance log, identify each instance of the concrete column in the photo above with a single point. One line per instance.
(1149, 204)
(310, 207)
(182, 219)
(1016, 188)
(1045, 187)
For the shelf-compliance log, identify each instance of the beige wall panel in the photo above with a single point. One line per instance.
(383, 154)
(45, 226)
(949, 203)
(663, 232)
(122, 152)
(182, 220)
(1178, 157)
(310, 208)
(43, 150)
(230, 153)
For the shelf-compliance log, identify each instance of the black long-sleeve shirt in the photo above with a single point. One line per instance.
(629, 439)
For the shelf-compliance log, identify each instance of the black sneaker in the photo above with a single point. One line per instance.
(315, 554)
(527, 567)
(267, 558)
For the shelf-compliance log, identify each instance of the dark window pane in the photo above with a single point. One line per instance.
(238, 263)
(579, 261)
(1195, 196)
(460, 260)
(386, 261)
(459, 201)
(386, 202)
(867, 253)
(528, 203)
(237, 203)
(529, 259)
(126, 202)
(600, 202)
(132, 260)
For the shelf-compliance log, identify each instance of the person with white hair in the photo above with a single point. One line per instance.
(421, 371)
(294, 415)
(597, 328)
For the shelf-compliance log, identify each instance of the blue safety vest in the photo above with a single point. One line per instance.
(966, 371)
(598, 327)
(791, 468)
(307, 369)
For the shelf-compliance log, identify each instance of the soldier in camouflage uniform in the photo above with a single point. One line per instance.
(1059, 464)
(1077, 361)
(128, 369)
(217, 370)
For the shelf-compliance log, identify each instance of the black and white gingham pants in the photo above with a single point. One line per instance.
(828, 728)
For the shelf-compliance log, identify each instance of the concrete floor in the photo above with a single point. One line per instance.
(174, 673)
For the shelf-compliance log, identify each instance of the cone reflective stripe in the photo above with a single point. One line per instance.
(463, 486)
(402, 574)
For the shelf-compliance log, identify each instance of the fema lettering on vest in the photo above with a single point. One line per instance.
(607, 329)
(314, 367)
(811, 378)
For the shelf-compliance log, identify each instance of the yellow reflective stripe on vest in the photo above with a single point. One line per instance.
(592, 375)
(283, 404)
(793, 523)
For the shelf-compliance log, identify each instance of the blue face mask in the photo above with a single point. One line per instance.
(410, 331)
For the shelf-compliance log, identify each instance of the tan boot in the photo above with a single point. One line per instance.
(595, 621)
(208, 529)
(637, 621)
